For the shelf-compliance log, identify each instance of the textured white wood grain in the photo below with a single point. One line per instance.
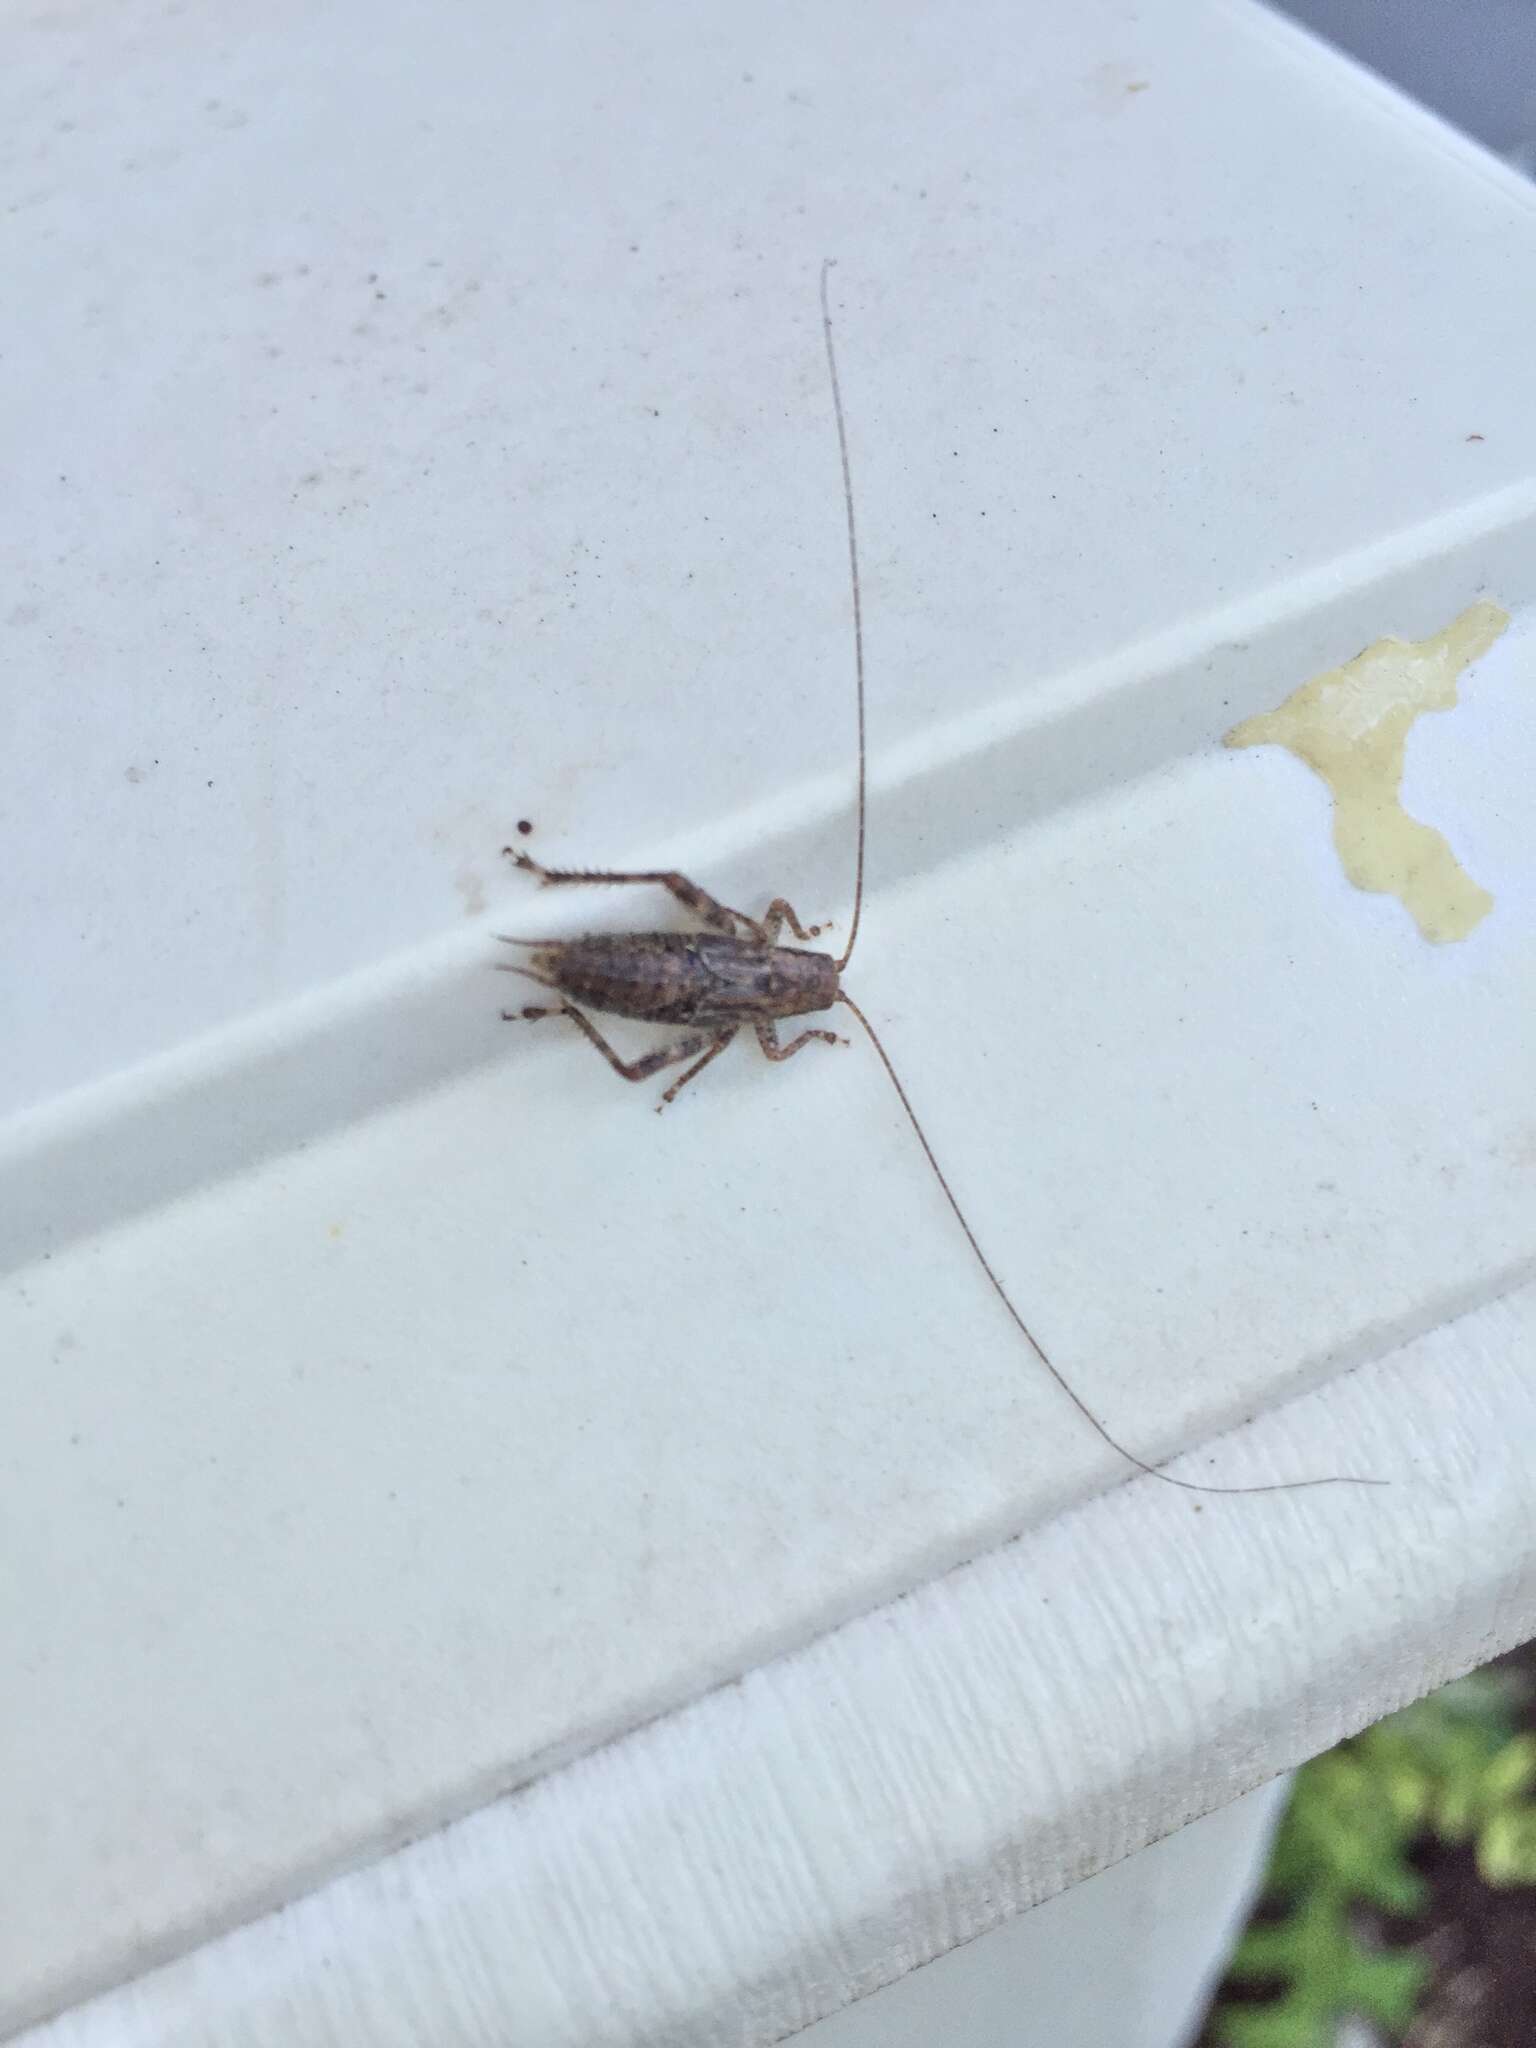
(1130, 1956)
(727, 1875)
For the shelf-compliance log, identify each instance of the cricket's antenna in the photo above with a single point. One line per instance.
(858, 608)
(1185, 1485)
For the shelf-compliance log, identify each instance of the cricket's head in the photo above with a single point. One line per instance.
(818, 983)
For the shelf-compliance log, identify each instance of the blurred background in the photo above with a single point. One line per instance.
(1474, 61)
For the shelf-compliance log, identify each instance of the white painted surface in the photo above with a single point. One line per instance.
(857, 1808)
(393, 1408)
(1131, 1957)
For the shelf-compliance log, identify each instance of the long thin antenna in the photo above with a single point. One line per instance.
(1185, 1485)
(1141, 1465)
(858, 607)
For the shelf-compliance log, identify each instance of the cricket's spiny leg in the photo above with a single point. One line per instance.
(697, 1068)
(767, 1038)
(633, 1070)
(718, 916)
(779, 913)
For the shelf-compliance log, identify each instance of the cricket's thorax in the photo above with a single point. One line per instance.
(687, 977)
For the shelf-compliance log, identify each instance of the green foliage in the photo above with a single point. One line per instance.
(1325, 1972)
(1449, 1768)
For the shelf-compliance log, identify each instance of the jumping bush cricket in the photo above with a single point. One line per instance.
(735, 972)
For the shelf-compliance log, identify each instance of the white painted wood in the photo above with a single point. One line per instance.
(857, 1808)
(1131, 1956)
(419, 422)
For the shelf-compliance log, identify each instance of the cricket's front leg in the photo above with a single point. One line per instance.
(718, 916)
(779, 913)
(768, 1039)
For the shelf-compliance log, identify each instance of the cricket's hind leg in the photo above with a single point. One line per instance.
(718, 916)
(768, 1039)
(706, 1042)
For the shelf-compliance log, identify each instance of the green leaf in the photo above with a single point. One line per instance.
(1455, 1813)
(1450, 1766)
(1272, 2026)
(1343, 1828)
(1511, 1774)
(1506, 1848)
(1324, 1974)
(1387, 1987)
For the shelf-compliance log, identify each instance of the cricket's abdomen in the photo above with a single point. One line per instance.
(687, 977)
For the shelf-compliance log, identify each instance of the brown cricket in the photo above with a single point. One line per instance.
(735, 972)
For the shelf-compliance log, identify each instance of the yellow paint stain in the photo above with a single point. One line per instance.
(1351, 725)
